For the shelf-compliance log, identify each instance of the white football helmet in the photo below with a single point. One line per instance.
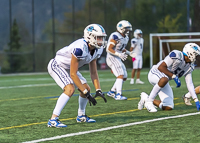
(95, 35)
(191, 50)
(137, 32)
(124, 27)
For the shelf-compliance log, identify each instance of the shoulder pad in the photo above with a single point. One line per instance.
(172, 54)
(175, 54)
(78, 52)
(115, 37)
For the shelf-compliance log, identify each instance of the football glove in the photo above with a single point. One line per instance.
(133, 54)
(177, 80)
(197, 105)
(123, 55)
(90, 98)
(101, 94)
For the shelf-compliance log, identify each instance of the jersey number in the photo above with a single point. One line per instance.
(180, 73)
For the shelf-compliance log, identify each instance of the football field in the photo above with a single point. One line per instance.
(27, 102)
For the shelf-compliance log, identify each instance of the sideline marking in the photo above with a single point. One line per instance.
(110, 128)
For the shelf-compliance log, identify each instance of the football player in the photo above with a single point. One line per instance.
(115, 53)
(64, 70)
(187, 96)
(174, 66)
(137, 47)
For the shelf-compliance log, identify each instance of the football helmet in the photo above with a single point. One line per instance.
(124, 27)
(138, 33)
(191, 50)
(95, 35)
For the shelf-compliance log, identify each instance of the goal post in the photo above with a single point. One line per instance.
(171, 35)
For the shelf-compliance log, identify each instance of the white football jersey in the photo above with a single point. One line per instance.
(80, 50)
(137, 44)
(121, 43)
(176, 64)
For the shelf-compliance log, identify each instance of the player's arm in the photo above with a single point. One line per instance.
(73, 73)
(95, 79)
(94, 74)
(110, 48)
(190, 87)
(163, 68)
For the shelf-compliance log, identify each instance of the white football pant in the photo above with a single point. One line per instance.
(166, 93)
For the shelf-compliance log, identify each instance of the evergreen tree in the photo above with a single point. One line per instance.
(13, 53)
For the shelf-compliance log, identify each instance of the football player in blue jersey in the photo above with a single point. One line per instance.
(64, 70)
(174, 66)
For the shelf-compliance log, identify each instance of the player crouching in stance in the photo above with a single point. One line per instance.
(64, 70)
(174, 66)
(115, 53)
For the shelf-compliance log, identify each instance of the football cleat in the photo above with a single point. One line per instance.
(85, 118)
(138, 81)
(132, 82)
(56, 123)
(187, 100)
(150, 107)
(111, 94)
(120, 97)
(143, 97)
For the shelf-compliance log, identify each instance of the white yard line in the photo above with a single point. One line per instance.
(110, 128)
(48, 84)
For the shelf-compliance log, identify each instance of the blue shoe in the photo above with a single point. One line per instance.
(120, 97)
(111, 94)
(56, 123)
(84, 118)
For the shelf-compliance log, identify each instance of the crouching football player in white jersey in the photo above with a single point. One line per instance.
(115, 53)
(137, 47)
(64, 70)
(174, 66)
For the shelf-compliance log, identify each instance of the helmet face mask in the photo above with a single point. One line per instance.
(138, 33)
(95, 35)
(124, 27)
(191, 50)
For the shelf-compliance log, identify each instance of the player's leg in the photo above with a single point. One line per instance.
(139, 66)
(135, 66)
(159, 80)
(63, 79)
(82, 117)
(166, 98)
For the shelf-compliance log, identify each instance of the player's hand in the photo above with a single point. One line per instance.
(133, 54)
(123, 56)
(100, 93)
(197, 105)
(177, 81)
(90, 98)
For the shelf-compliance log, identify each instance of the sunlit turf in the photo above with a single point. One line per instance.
(27, 102)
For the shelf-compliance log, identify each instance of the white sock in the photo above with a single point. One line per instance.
(119, 83)
(114, 87)
(154, 92)
(160, 105)
(132, 79)
(61, 102)
(188, 95)
(82, 105)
